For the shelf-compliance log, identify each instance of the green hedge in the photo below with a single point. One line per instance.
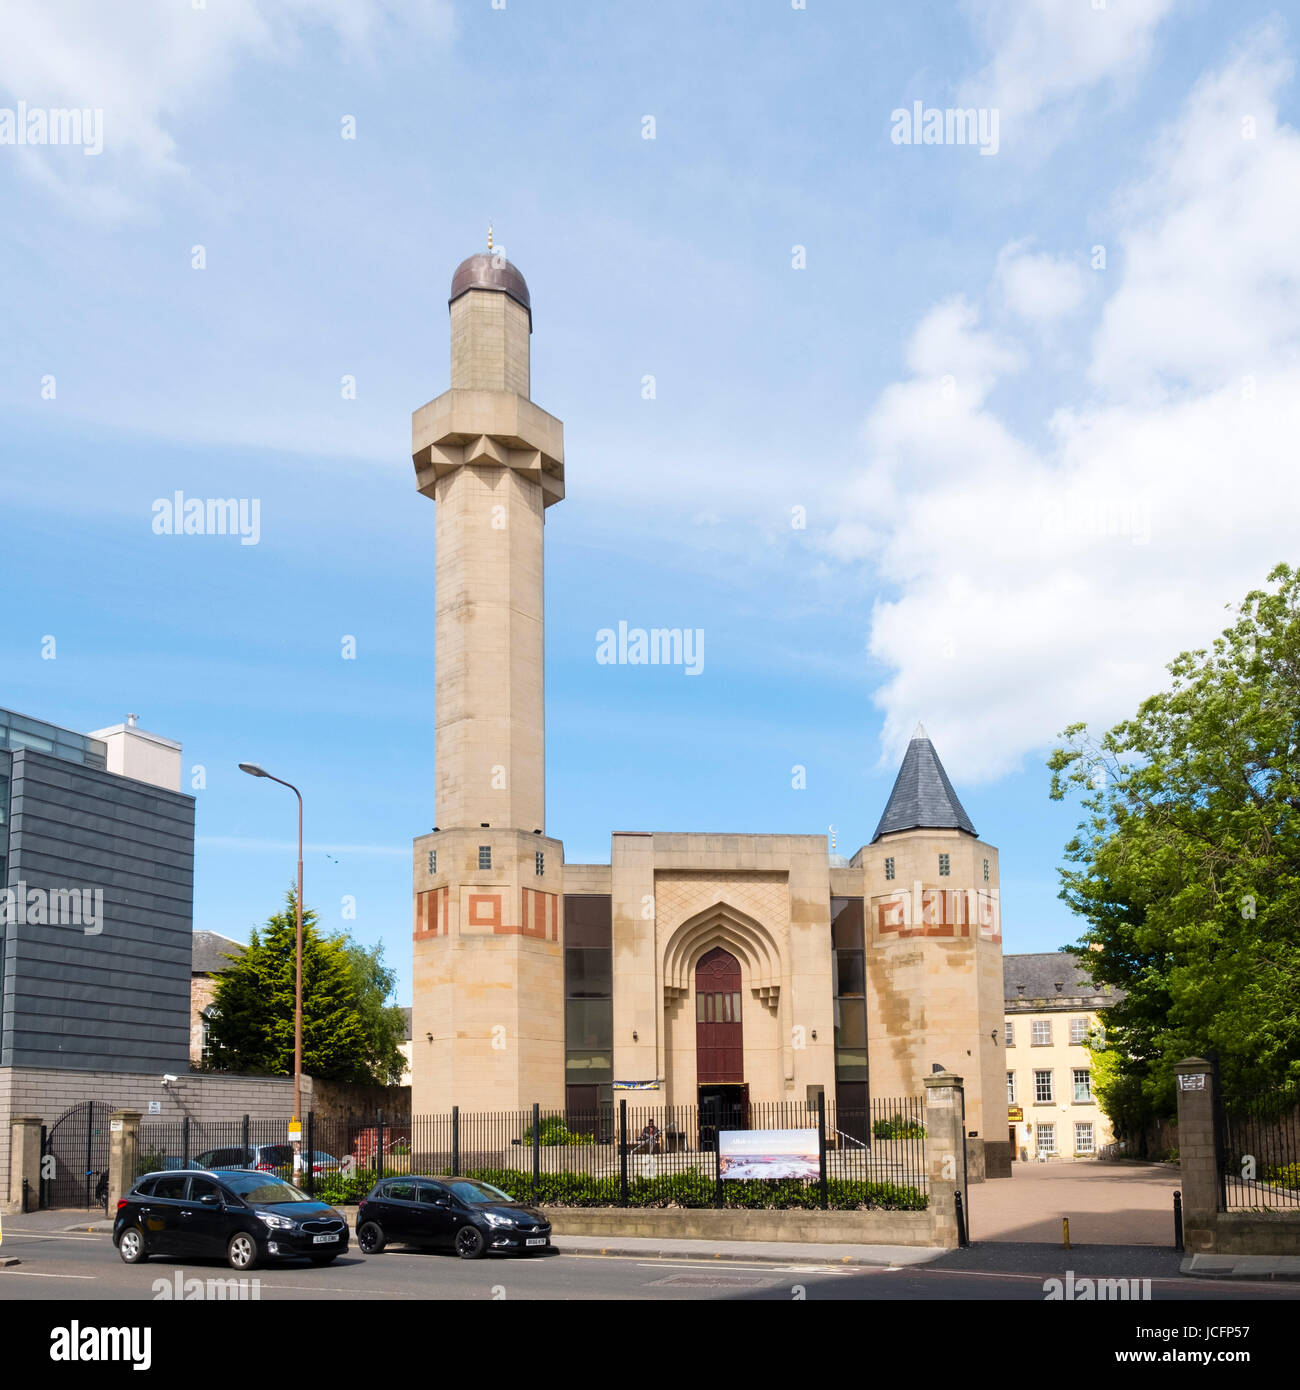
(674, 1190)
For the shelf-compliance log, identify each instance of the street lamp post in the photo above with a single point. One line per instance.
(254, 770)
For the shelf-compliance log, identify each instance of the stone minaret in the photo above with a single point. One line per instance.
(487, 1025)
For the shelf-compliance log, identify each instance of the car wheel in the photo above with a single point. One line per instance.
(241, 1253)
(131, 1246)
(470, 1244)
(371, 1238)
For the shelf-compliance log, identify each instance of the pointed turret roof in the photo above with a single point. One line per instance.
(923, 798)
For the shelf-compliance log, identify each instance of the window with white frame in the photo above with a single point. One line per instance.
(1043, 1086)
(1011, 1035)
(1041, 1032)
(1011, 1088)
(1082, 1084)
(1046, 1138)
(1083, 1140)
(1078, 1031)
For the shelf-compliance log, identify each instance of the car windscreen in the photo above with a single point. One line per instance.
(478, 1193)
(262, 1187)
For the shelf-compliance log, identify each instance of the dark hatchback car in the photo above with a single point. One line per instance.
(247, 1217)
(460, 1214)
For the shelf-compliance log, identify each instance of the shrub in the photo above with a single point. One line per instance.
(1285, 1175)
(898, 1128)
(554, 1132)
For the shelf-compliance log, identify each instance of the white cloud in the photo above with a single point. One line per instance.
(149, 62)
(1045, 51)
(1031, 585)
(1037, 286)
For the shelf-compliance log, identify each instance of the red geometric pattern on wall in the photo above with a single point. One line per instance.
(538, 912)
(432, 912)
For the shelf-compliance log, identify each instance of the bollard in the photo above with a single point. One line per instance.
(1065, 1226)
(1178, 1220)
(960, 1209)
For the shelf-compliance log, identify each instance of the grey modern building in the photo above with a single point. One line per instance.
(96, 899)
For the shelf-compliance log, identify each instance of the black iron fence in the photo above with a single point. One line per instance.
(1259, 1148)
(614, 1155)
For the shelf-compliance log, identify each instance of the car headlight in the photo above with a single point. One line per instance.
(494, 1220)
(277, 1223)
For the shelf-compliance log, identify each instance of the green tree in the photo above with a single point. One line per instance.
(253, 1005)
(1187, 865)
(383, 1024)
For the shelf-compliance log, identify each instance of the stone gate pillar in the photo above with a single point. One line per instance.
(1198, 1151)
(24, 1162)
(123, 1150)
(944, 1152)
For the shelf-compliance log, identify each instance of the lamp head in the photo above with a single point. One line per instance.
(253, 770)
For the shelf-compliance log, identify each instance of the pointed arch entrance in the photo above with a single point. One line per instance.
(719, 1045)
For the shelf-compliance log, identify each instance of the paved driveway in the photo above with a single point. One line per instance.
(1107, 1203)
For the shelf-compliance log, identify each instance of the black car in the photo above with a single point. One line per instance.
(244, 1215)
(461, 1214)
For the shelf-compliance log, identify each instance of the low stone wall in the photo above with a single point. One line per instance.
(1243, 1233)
(926, 1228)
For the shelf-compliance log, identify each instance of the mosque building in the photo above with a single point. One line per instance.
(697, 970)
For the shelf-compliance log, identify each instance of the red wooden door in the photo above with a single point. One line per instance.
(719, 1040)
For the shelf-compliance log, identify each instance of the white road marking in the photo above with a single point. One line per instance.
(754, 1269)
(36, 1274)
(48, 1235)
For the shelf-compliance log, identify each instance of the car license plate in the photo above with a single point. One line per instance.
(324, 1240)
(535, 1240)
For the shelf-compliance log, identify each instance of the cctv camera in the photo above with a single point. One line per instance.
(168, 1078)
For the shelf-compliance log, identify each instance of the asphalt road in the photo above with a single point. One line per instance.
(67, 1266)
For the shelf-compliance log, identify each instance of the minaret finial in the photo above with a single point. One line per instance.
(489, 236)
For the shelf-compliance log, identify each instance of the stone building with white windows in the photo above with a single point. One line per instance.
(1051, 1015)
(707, 970)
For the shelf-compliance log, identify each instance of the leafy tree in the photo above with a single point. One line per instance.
(383, 1024)
(253, 1005)
(1187, 865)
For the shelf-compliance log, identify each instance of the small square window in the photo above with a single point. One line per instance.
(433, 861)
(889, 868)
(943, 865)
(485, 856)
(986, 871)
(1041, 1032)
(1078, 1031)
(539, 859)
(1011, 1035)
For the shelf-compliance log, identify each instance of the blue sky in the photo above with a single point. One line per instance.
(951, 388)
